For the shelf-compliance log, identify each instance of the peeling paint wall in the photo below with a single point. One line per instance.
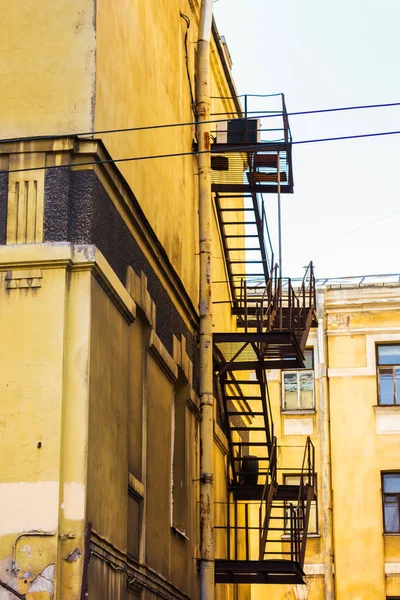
(85, 418)
(44, 371)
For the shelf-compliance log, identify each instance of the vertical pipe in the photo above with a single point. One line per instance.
(326, 472)
(279, 217)
(246, 524)
(228, 528)
(206, 378)
(236, 528)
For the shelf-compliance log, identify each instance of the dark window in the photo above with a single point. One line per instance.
(179, 500)
(134, 521)
(298, 386)
(388, 359)
(391, 502)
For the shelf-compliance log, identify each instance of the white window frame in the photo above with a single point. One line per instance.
(298, 373)
(380, 367)
(313, 526)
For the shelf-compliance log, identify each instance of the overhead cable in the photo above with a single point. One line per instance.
(259, 115)
(241, 148)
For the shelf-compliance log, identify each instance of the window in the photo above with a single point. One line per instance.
(388, 359)
(313, 522)
(298, 386)
(178, 472)
(134, 522)
(391, 502)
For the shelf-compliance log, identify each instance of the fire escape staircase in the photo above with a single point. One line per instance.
(274, 316)
(273, 329)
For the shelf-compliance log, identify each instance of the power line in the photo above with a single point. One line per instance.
(260, 114)
(241, 148)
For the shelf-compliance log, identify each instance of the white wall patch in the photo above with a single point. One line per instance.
(292, 426)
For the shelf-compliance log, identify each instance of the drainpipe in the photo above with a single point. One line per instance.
(325, 436)
(206, 372)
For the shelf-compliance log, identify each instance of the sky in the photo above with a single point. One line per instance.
(345, 211)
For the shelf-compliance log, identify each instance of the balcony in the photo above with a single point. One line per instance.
(253, 154)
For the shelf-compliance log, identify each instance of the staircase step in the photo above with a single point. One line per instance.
(248, 428)
(243, 235)
(238, 209)
(250, 444)
(242, 381)
(244, 398)
(259, 459)
(248, 414)
(240, 223)
(244, 249)
(245, 262)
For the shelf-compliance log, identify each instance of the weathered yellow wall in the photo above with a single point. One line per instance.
(48, 83)
(141, 80)
(81, 66)
(31, 381)
(44, 373)
(356, 323)
(108, 419)
(357, 320)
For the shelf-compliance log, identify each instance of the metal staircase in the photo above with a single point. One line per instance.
(281, 528)
(273, 324)
(274, 316)
(249, 428)
(245, 237)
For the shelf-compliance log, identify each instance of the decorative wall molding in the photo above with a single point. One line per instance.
(193, 403)
(163, 358)
(220, 439)
(136, 486)
(137, 287)
(182, 359)
(23, 278)
(25, 206)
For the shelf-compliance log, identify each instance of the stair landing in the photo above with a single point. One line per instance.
(258, 571)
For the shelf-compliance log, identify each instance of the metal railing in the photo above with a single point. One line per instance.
(307, 475)
(279, 306)
(295, 517)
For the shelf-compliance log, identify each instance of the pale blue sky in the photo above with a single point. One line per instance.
(327, 54)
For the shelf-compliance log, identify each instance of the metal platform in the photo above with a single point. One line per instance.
(258, 571)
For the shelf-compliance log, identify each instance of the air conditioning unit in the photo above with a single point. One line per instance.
(239, 131)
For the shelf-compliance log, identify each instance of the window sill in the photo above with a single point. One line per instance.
(386, 406)
(179, 533)
(389, 533)
(286, 537)
(299, 411)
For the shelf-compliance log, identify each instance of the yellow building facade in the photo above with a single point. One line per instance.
(99, 308)
(99, 273)
(346, 401)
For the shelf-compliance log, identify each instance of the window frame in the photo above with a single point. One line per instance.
(315, 502)
(397, 494)
(378, 379)
(298, 373)
(178, 499)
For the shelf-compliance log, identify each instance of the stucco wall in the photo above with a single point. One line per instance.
(48, 77)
